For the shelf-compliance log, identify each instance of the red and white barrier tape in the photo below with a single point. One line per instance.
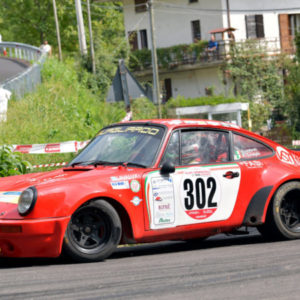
(63, 147)
(296, 143)
(48, 165)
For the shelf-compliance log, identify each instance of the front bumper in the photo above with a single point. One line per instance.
(32, 238)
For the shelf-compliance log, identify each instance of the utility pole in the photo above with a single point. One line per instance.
(156, 92)
(81, 32)
(57, 31)
(91, 38)
(228, 14)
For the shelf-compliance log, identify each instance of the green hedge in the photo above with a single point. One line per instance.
(181, 101)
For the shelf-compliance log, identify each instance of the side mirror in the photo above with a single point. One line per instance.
(167, 168)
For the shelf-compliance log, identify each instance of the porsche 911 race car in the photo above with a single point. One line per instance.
(148, 181)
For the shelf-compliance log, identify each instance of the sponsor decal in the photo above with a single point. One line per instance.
(132, 129)
(287, 157)
(164, 206)
(124, 177)
(162, 220)
(250, 153)
(136, 201)
(253, 164)
(10, 197)
(120, 185)
(135, 186)
(163, 200)
(194, 172)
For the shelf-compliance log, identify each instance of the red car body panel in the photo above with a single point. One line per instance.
(132, 191)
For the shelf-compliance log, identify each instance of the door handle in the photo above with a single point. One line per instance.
(230, 174)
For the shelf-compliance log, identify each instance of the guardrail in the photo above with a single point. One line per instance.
(26, 81)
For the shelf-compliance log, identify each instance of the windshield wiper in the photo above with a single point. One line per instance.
(78, 163)
(118, 163)
(132, 164)
(103, 162)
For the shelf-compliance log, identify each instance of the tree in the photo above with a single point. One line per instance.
(292, 88)
(32, 21)
(256, 76)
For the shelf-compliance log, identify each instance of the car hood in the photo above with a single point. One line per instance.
(61, 176)
(65, 185)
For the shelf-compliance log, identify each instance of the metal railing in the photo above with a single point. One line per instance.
(25, 81)
(270, 46)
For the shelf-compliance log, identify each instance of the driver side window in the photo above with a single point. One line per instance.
(197, 147)
(204, 146)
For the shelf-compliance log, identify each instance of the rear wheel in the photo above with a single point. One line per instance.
(283, 217)
(93, 232)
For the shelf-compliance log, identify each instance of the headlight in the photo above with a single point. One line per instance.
(27, 201)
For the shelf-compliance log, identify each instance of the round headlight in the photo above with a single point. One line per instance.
(27, 201)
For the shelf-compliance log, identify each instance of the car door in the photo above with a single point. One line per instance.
(205, 183)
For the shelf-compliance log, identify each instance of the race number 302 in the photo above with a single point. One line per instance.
(200, 196)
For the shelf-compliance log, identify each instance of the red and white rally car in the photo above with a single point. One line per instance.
(154, 180)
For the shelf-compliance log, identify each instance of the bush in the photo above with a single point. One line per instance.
(181, 101)
(143, 108)
(11, 163)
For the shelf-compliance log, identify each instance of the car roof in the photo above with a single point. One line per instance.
(174, 123)
(188, 123)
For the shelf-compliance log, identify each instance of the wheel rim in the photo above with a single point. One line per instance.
(89, 230)
(289, 211)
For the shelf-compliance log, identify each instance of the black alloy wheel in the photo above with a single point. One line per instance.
(283, 216)
(93, 232)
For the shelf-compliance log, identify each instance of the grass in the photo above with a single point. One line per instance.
(61, 109)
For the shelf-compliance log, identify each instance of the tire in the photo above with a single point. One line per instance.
(283, 216)
(93, 232)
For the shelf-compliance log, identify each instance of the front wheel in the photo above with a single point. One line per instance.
(93, 232)
(283, 217)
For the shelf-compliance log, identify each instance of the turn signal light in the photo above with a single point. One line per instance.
(10, 229)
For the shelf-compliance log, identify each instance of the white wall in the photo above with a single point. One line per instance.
(173, 24)
(269, 8)
(193, 83)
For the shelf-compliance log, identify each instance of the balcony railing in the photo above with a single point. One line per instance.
(197, 55)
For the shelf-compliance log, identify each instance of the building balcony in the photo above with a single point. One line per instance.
(197, 56)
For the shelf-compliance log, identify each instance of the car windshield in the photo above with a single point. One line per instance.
(134, 145)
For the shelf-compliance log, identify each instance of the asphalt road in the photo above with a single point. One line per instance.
(219, 268)
(10, 68)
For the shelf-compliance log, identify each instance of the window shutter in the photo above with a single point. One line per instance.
(259, 20)
(250, 26)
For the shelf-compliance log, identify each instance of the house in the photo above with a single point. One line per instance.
(179, 22)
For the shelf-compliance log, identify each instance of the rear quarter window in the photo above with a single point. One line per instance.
(246, 148)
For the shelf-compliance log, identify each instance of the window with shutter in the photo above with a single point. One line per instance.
(254, 26)
(140, 5)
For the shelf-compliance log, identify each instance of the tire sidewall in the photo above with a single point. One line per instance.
(110, 245)
(282, 228)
